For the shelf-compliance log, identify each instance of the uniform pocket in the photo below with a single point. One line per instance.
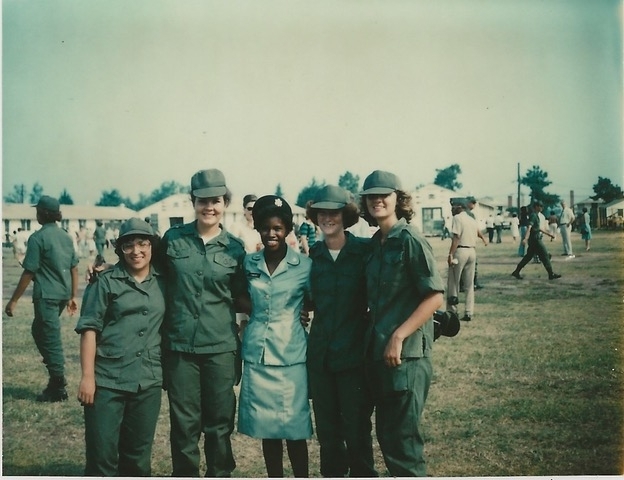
(109, 361)
(225, 260)
(175, 251)
(389, 381)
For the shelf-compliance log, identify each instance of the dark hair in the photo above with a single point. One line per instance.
(584, 209)
(273, 211)
(46, 216)
(350, 214)
(227, 197)
(249, 198)
(403, 208)
(154, 239)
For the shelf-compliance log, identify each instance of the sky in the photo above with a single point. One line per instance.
(114, 94)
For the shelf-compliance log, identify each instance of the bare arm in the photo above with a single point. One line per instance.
(452, 249)
(86, 390)
(482, 237)
(424, 311)
(72, 305)
(23, 283)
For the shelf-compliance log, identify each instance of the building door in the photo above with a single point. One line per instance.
(432, 221)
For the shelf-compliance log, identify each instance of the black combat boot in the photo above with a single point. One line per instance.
(55, 391)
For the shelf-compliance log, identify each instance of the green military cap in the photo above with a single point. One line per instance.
(331, 197)
(459, 201)
(208, 183)
(381, 183)
(135, 226)
(48, 203)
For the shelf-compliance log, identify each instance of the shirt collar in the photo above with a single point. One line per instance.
(119, 271)
(396, 229)
(191, 230)
(292, 259)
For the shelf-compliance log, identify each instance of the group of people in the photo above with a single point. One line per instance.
(165, 317)
(535, 225)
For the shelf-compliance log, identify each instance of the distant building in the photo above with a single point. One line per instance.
(178, 209)
(432, 204)
(75, 217)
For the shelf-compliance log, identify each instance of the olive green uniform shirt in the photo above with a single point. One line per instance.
(202, 282)
(400, 274)
(127, 317)
(50, 256)
(337, 331)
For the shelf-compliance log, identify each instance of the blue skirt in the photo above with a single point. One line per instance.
(274, 403)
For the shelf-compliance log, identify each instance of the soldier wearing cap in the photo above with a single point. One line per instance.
(51, 262)
(462, 257)
(120, 355)
(202, 265)
(533, 238)
(471, 203)
(404, 290)
(342, 403)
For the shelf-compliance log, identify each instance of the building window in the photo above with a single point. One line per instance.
(432, 221)
(65, 224)
(26, 225)
(175, 221)
(82, 223)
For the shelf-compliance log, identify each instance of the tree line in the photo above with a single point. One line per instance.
(535, 179)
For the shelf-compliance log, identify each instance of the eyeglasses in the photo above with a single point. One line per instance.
(142, 245)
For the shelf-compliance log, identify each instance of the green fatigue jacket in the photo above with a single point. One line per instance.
(202, 283)
(400, 274)
(51, 256)
(127, 317)
(336, 340)
(535, 223)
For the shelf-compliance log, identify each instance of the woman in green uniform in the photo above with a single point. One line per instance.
(120, 356)
(202, 265)
(341, 401)
(533, 237)
(51, 262)
(404, 290)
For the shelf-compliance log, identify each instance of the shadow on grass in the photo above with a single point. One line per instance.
(49, 469)
(18, 393)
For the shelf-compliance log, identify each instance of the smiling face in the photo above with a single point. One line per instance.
(209, 212)
(273, 234)
(330, 222)
(137, 254)
(382, 207)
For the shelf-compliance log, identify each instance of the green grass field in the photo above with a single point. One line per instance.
(532, 386)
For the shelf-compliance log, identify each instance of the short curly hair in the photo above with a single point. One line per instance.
(47, 216)
(403, 208)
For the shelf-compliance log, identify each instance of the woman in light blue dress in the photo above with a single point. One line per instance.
(274, 403)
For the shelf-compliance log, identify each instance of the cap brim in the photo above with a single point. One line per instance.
(328, 205)
(377, 191)
(210, 192)
(137, 232)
